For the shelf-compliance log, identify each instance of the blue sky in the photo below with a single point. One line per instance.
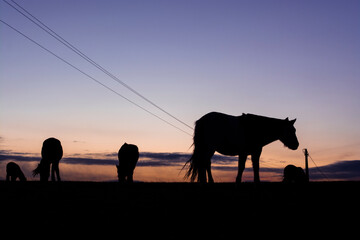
(296, 59)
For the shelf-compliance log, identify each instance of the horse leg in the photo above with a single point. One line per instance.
(241, 166)
(55, 170)
(120, 175)
(44, 171)
(208, 168)
(210, 178)
(129, 178)
(58, 172)
(202, 175)
(255, 158)
(205, 166)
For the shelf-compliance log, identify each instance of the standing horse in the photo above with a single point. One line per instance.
(51, 154)
(236, 135)
(128, 156)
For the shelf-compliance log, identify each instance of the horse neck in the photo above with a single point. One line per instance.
(266, 129)
(22, 176)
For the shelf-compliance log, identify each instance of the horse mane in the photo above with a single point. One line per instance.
(260, 119)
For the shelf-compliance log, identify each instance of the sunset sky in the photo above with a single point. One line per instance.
(296, 59)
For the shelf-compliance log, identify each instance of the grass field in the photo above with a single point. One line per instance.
(152, 208)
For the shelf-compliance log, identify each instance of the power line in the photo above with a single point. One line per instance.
(321, 172)
(51, 32)
(92, 78)
(317, 168)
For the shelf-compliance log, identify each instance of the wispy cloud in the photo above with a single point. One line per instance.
(340, 170)
(6, 155)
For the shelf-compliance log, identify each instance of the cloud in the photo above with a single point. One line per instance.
(340, 170)
(6, 155)
(88, 161)
(148, 159)
(179, 159)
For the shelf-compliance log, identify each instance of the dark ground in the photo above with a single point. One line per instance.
(180, 209)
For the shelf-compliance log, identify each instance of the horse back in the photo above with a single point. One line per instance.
(52, 150)
(219, 121)
(128, 154)
(221, 132)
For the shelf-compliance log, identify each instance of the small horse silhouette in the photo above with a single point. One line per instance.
(293, 174)
(128, 156)
(51, 154)
(13, 171)
(236, 135)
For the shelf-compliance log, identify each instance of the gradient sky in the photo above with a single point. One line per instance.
(296, 59)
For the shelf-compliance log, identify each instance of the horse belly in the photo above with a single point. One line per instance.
(230, 142)
(220, 132)
(229, 147)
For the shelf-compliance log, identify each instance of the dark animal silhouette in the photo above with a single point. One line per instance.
(13, 171)
(128, 156)
(51, 154)
(293, 174)
(236, 135)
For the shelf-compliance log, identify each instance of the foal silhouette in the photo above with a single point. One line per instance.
(236, 135)
(51, 154)
(293, 174)
(13, 171)
(128, 156)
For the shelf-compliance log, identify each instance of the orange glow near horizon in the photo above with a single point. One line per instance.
(274, 155)
(100, 173)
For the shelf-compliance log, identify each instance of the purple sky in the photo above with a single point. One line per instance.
(296, 59)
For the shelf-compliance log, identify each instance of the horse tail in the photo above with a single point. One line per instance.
(192, 171)
(36, 171)
(194, 161)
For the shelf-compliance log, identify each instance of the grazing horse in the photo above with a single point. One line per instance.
(293, 174)
(236, 135)
(128, 156)
(51, 154)
(13, 171)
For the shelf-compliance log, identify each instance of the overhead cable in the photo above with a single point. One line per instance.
(51, 32)
(92, 78)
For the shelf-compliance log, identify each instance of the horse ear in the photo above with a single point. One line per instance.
(293, 121)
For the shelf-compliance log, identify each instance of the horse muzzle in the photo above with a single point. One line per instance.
(294, 146)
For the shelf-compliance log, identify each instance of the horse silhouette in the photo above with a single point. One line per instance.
(51, 154)
(293, 174)
(236, 135)
(128, 156)
(13, 171)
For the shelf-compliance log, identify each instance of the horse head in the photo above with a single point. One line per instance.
(288, 136)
